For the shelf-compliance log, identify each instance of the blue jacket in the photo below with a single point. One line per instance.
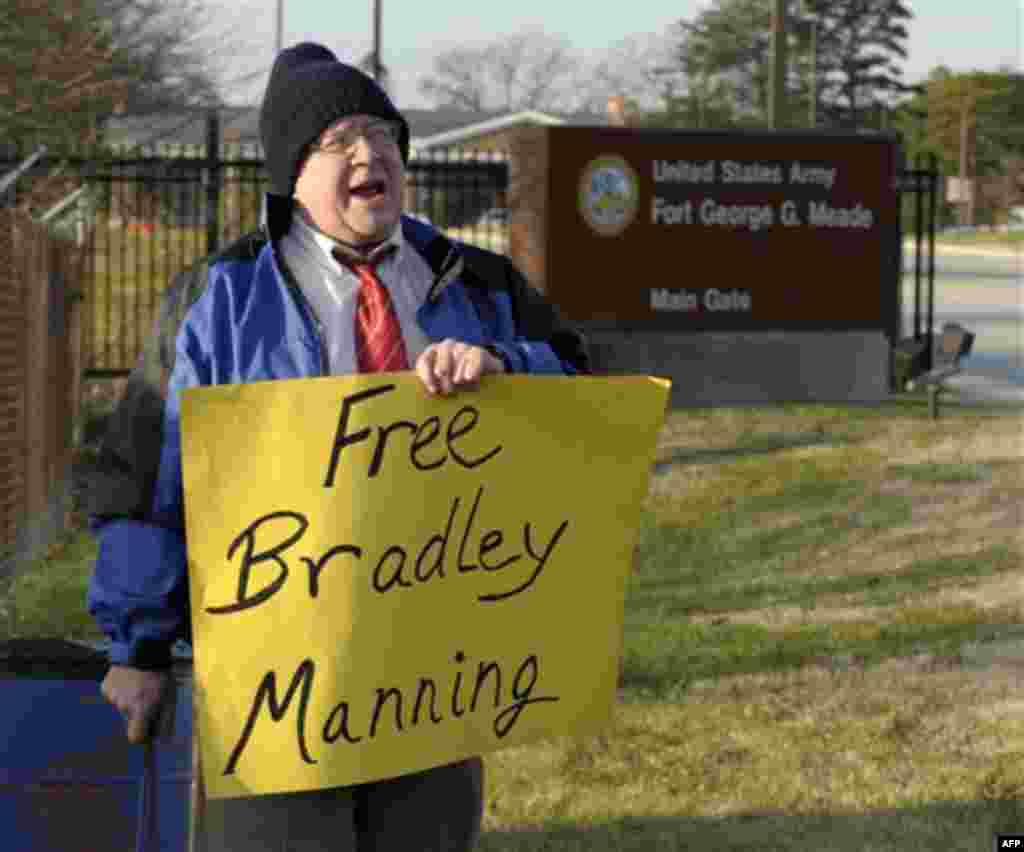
(240, 317)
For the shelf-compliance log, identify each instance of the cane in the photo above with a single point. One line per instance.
(147, 836)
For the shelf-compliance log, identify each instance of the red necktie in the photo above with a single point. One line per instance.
(378, 334)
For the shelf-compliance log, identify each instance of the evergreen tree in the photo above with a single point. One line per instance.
(857, 49)
(860, 46)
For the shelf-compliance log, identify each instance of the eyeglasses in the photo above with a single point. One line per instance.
(376, 133)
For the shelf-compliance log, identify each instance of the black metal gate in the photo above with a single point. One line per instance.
(150, 219)
(923, 183)
(147, 216)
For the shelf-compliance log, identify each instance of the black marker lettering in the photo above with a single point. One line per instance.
(382, 696)
(420, 442)
(396, 577)
(330, 735)
(337, 725)
(419, 698)
(382, 439)
(456, 712)
(248, 535)
(438, 566)
(454, 432)
(507, 718)
(268, 690)
(541, 562)
(463, 568)
(341, 438)
(491, 540)
(315, 567)
(482, 671)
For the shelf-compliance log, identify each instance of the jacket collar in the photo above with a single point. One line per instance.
(441, 254)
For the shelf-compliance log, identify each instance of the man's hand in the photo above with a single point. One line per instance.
(451, 364)
(141, 696)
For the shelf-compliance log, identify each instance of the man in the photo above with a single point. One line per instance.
(337, 281)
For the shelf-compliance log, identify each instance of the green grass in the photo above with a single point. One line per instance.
(46, 598)
(732, 564)
(1014, 239)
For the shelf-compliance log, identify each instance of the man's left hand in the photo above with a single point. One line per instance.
(449, 365)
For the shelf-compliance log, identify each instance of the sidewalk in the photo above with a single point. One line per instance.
(976, 388)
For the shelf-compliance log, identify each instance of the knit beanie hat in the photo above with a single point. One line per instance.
(309, 90)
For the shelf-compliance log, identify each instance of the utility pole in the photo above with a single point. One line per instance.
(279, 31)
(814, 72)
(376, 41)
(808, 14)
(967, 185)
(777, 95)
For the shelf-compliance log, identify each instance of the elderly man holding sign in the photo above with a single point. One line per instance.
(337, 281)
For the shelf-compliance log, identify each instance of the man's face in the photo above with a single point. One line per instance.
(353, 189)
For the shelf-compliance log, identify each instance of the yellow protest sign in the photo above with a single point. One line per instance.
(382, 582)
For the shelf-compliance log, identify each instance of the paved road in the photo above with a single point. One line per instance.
(984, 290)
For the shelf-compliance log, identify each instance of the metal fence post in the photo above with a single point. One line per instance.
(919, 240)
(933, 202)
(213, 181)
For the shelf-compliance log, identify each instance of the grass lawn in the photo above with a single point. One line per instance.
(47, 597)
(1010, 239)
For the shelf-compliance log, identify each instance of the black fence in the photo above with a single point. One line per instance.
(921, 184)
(147, 214)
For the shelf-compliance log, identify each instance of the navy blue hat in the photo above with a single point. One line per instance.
(309, 90)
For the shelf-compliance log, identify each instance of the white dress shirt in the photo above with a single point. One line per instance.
(331, 289)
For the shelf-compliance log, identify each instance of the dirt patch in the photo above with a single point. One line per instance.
(977, 440)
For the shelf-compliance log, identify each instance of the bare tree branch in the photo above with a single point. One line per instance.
(526, 70)
(457, 80)
(638, 68)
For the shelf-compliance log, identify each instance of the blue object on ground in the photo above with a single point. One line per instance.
(70, 780)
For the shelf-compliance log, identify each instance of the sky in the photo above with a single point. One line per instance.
(963, 34)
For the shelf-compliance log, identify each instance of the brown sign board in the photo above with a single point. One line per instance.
(703, 231)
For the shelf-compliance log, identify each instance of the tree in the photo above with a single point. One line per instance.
(1000, 128)
(527, 70)
(458, 79)
(54, 68)
(703, 103)
(66, 64)
(858, 46)
(636, 68)
(727, 47)
(983, 105)
(975, 122)
(166, 50)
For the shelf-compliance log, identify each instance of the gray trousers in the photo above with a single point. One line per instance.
(438, 810)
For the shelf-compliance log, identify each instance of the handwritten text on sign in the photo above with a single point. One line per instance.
(382, 582)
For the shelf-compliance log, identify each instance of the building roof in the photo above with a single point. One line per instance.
(482, 127)
(425, 123)
(427, 127)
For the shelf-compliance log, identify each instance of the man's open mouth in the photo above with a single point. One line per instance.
(369, 189)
